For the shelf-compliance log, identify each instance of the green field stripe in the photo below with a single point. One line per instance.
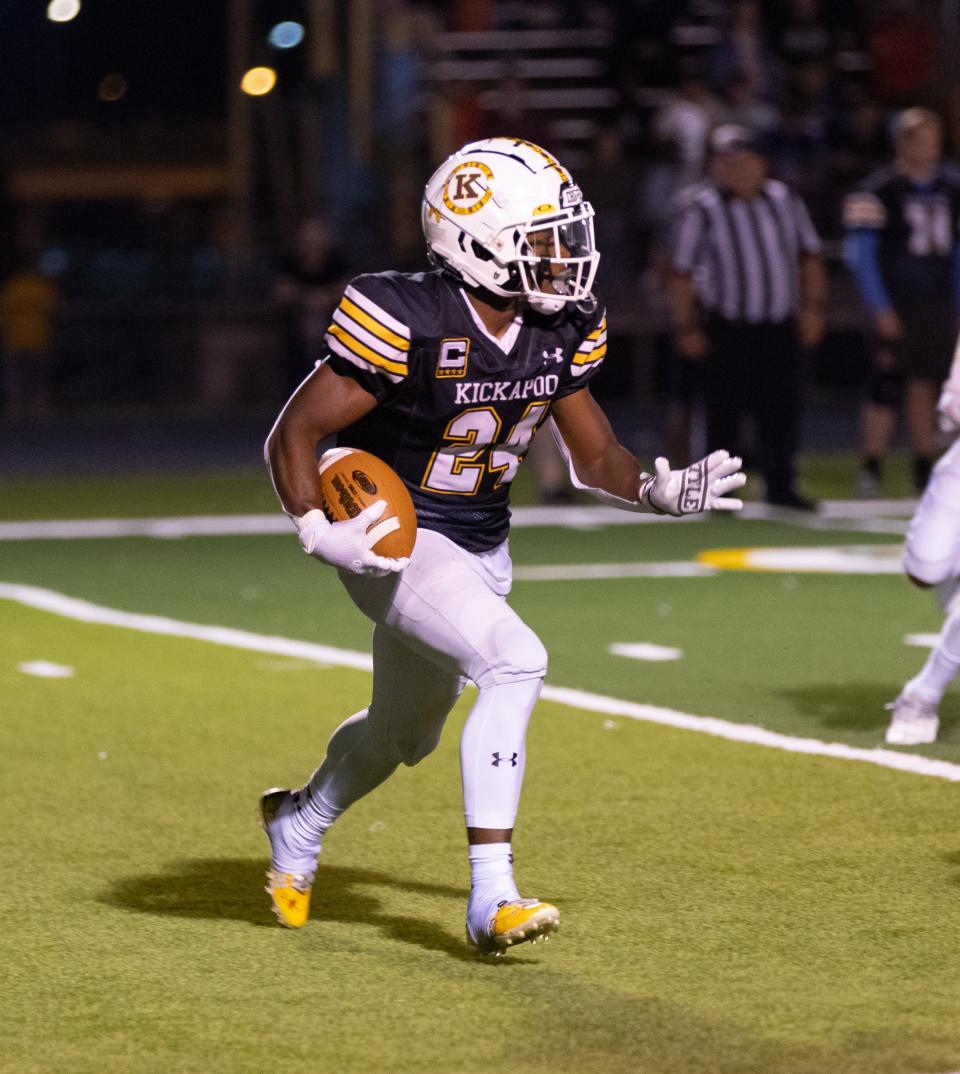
(725, 909)
(71, 608)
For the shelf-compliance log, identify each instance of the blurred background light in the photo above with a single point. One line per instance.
(286, 35)
(258, 81)
(63, 10)
(112, 87)
(53, 261)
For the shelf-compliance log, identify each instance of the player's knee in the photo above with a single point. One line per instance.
(521, 653)
(885, 387)
(926, 571)
(413, 750)
(919, 582)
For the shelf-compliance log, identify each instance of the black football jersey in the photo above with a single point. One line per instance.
(918, 225)
(456, 412)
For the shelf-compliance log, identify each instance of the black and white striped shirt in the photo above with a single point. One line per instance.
(743, 254)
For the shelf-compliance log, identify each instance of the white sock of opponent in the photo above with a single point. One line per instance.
(353, 766)
(942, 665)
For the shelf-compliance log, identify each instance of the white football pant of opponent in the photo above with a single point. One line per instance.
(932, 559)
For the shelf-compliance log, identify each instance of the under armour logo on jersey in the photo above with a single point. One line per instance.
(498, 760)
(556, 354)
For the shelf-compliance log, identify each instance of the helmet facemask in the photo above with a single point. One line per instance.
(556, 259)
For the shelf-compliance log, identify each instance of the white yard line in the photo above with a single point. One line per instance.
(84, 611)
(578, 517)
(573, 572)
(921, 641)
(867, 508)
(46, 669)
(240, 525)
(644, 650)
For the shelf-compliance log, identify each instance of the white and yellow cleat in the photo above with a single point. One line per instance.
(517, 921)
(289, 891)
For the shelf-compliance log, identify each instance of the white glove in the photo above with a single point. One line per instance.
(948, 407)
(702, 486)
(348, 545)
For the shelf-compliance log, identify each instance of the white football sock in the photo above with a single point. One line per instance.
(491, 864)
(942, 665)
(491, 883)
(492, 752)
(353, 766)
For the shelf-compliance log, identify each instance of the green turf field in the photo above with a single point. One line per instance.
(726, 907)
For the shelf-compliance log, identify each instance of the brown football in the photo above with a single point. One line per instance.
(351, 480)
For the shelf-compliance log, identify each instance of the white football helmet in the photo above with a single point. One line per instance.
(504, 215)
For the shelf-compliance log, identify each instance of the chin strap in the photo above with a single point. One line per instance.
(545, 304)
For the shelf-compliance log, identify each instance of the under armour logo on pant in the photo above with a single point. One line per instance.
(511, 760)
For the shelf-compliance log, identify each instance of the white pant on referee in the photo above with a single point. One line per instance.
(932, 552)
(443, 621)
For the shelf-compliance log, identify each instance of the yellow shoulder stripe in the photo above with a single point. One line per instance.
(598, 332)
(363, 351)
(585, 357)
(373, 325)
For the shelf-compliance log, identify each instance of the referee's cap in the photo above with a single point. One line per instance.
(731, 138)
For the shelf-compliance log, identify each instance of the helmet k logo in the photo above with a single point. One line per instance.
(468, 188)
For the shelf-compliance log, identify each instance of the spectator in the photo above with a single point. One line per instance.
(746, 253)
(902, 246)
(742, 52)
(685, 121)
(28, 306)
(307, 289)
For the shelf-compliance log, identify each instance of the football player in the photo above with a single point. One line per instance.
(903, 245)
(932, 559)
(446, 376)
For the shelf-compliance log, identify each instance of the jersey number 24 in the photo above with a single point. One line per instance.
(472, 451)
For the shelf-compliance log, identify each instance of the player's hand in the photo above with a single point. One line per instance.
(948, 407)
(692, 343)
(348, 545)
(888, 326)
(702, 486)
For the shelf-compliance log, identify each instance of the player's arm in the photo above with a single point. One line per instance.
(865, 217)
(600, 464)
(324, 404)
(813, 298)
(690, 338)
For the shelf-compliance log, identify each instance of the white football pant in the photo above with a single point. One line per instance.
(442, 621)
(932, 552)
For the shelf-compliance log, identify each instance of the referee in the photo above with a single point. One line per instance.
(748, 287)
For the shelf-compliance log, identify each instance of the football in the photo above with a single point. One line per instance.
(351, 480)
